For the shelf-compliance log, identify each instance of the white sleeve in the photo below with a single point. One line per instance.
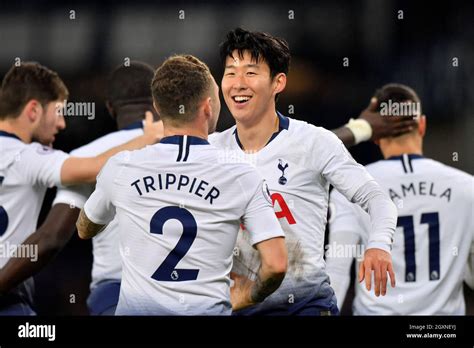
(99, 207)
(337, 166)
(345, 230)
(74, 196)
(469, 272)
(42, 165)
(259, 217)
(383, 215)
(358, 186)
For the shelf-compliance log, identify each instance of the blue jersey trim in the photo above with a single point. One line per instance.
(178, 139)
(283, 124)
(410, 156)
(8, 135)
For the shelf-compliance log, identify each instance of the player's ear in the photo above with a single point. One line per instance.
(33, 110)
(422, 125)
(207, 107)
(280, 82)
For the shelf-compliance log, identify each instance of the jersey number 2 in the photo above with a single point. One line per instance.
(3, 221)
(167, 271)
(406, 222)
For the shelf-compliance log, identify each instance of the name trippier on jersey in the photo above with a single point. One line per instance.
(421, 188)
(28, 330)
(170, 181)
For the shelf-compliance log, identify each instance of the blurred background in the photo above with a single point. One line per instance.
(427, 45)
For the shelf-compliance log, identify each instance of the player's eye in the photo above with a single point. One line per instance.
(251, 73)
(229, 74)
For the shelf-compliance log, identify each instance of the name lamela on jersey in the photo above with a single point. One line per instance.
(420, 188)
(176, 182)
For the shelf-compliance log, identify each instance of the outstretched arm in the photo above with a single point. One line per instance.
(383, 217)
(76, 170)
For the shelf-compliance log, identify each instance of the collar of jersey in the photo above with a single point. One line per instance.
(178, 139)
(134, 125)
(283, 123)
(8, 135)
(410, 156)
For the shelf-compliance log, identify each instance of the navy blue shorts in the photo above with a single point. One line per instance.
(322, 304)
(103, 299)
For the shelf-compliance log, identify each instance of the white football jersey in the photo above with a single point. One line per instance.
(107, 264)
(298, 164)
(26, 171)
(432, 243)
(179, 205)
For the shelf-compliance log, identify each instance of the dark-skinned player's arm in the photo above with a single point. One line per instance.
(76, 170)
(372, 126)
(49, 239)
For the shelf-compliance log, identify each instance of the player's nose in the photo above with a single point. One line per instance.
(61, 123)
(239, 82)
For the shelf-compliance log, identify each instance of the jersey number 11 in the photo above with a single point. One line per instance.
(433, 236)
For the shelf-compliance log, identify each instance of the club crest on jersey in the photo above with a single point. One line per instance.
(282, 180)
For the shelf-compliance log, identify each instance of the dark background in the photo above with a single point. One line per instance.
(417, 50)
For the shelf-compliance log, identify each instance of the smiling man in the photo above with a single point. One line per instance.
(299, 161)
(179, 208)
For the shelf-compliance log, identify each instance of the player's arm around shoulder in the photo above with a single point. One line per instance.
(76, 170)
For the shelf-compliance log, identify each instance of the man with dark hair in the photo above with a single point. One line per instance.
(128, 93)
(180, 205)
(30, 105)
(276, 50)
(299, 161)
(435, 235)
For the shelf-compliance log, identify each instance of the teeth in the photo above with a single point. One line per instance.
(241, 98)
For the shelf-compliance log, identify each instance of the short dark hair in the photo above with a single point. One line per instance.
(130, 84)
(179, 85)
(396, 92)
(273, 50)
(26, 82)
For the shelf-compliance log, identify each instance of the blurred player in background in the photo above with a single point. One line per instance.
(299, 161)
(179, 204)
(31, 97)
(128, 99)
(435, 228)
